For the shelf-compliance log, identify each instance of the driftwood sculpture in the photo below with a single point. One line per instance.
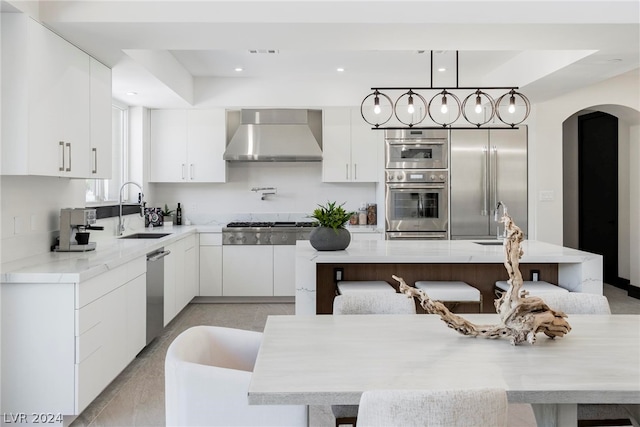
(521, 316)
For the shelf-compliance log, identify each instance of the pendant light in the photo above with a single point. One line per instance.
(450, 108)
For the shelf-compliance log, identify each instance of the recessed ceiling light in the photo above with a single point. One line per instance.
(132, 93)
(340, 69)
(238, 69)
(442, 69)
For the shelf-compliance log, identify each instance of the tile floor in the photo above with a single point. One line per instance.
(136, 397)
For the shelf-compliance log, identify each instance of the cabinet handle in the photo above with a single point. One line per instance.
(355, 171)
(68, 144)
(191, 171)
(95, 160)
(347, 170)
(61, 144)
(183, 171)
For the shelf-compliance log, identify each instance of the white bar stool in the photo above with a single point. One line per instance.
(353, 286)
(535, 288)
(454, 292)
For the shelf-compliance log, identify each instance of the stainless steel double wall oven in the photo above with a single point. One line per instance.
(417, 188)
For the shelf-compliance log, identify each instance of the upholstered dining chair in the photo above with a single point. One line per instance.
(451, 408)
(207, 374)
(593, 414)
(373, 303)
(367, 303)
(577, 302)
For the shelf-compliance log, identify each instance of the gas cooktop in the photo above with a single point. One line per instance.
(266, 233)
(255, 224)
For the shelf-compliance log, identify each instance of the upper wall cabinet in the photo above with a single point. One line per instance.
(101, 121)
(187, 146)
(48, 93)
(349, 147)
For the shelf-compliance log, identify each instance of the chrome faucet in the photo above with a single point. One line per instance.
(497, 219)
(142, 203)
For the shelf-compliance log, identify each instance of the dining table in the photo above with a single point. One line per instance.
(332, 360)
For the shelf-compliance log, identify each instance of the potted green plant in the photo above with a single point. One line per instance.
(330, 234)
(167, 215)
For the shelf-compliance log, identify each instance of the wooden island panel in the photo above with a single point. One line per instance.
(481, 276)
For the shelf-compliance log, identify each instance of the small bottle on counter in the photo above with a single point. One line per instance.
(372, 214)
(354, 219)
(178, 215)
(362, 214)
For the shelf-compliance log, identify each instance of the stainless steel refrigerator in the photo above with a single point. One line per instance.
(487, 166)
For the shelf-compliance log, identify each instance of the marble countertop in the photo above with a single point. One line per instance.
(67, 267)
(439, 251)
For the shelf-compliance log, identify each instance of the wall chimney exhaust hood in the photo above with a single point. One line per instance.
(274, 135)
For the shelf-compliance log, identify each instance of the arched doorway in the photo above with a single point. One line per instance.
(596, 186)
(598, 189)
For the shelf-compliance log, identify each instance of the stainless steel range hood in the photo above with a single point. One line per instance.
(274, 135)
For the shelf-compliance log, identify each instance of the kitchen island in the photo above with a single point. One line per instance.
(478, 263)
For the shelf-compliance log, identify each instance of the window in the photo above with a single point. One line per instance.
(105, 191)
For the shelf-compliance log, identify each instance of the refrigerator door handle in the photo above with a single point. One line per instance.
(494, 172)
(483, 212)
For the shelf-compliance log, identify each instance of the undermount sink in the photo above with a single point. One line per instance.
(145, 236)
(490, 243)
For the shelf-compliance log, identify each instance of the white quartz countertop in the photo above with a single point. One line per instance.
(69, 267)
(439, 251)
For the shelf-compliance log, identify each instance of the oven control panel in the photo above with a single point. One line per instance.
(416, 175)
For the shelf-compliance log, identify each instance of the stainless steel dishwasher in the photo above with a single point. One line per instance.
(155, 293)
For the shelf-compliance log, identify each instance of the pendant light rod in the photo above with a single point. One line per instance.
(456, 68)
(431, 73)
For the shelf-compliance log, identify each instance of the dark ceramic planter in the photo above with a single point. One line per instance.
(328, 239)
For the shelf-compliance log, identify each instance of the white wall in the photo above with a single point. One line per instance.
(634, 206)
(547, 143)
(618, 96)
(299, 191)
(31, 212)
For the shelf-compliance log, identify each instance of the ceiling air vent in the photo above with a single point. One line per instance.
(267, 51)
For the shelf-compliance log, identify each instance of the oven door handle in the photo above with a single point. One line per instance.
(416, 186)
(411, 142)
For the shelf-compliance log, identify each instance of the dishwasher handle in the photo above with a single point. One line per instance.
(157, 255)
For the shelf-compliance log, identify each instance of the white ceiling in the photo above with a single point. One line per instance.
(162, 49)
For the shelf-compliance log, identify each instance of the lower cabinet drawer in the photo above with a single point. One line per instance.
(92, 289)
(89, 342)
(90, 379)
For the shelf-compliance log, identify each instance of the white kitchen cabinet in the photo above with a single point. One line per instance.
(74, 337)
(170, 284)
(101, 128)
(284, 270)
(46, 102)
(210, 264)
(186, 287)
(206, 138)
(187, 146)
(247, 270)
(180, 276)
(349, 147)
